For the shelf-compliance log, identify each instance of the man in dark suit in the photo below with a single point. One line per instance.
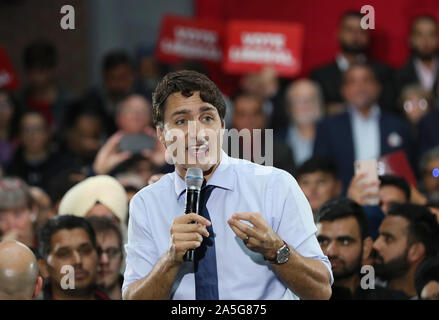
(364, 131)
(354, 43)
(423, 64)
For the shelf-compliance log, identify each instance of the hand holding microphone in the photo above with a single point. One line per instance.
(188, 230)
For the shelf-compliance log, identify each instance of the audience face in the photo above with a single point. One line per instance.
(390, 194)
(17, 224)
(319, 187)
(110, 259)
(415, 107)
(353, 38)
(34, 133)
(423, 39)
(431, 183)
(263, 84)
(392, 251)
(304, 102)
(248, 114)
(101, 210)
(148, 68)
(40, 78)
(43, 206)
(85, 136)
(72, 247)
(430, 291)
(119, 80)
(134, 115)
(341, 241)
(360, 87)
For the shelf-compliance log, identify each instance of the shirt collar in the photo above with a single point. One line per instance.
(223, 176)
(343, 63)
(374, 113)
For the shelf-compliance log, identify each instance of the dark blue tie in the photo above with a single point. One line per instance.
(206, 276)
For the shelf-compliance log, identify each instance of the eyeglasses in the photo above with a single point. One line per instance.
(112, 252)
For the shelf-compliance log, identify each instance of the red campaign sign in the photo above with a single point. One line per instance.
(250, 45)
(8, 76)
(189, 39)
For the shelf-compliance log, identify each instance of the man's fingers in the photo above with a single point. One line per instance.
(188, 218)
(249, 231)
(193, 236)
(254, 218)
(183, 246)
(121, 157)
(113, 141)
(189, 228)
(238, 232)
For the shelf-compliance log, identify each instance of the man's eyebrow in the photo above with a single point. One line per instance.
(186, 111)
(342, 238)
(61, 248)
(178, 112)
(206, 108)
(387, 234)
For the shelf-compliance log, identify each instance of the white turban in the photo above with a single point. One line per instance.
(103, 189)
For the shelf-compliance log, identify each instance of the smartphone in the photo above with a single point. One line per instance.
(136, 143)
(370, 169)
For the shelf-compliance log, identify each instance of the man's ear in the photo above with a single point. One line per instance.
(43, 268)
(38, 287)
(161, 134)
(416, 252)
(367, 248)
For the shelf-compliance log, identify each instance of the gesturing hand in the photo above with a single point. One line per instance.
(109, 155)
(186, 235)
(259, 237)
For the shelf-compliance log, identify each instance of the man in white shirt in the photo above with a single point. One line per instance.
(258, 239)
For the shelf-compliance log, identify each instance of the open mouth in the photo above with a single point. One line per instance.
(198, 150)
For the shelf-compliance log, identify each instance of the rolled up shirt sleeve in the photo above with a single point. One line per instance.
(141, 252)
(292, 219)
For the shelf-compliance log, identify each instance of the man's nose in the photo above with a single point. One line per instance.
(196, 131)
(332, 249)
(103, 259)
(77, 259)
(377, 244)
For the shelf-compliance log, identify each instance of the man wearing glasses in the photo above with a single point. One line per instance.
(110, 258)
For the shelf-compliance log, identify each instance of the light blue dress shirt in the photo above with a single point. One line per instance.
(366, 133)
(301, 147)
(241, 186)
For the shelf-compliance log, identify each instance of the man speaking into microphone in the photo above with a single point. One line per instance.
(254, 236)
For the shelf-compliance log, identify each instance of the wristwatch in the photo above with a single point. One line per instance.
(282, 255)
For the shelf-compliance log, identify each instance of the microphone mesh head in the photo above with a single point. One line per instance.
(194, 178)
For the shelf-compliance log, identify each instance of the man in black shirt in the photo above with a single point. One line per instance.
(343, 235)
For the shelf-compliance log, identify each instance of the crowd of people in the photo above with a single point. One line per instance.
(66, 181)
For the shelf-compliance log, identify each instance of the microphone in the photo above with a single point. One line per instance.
(194, 180)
